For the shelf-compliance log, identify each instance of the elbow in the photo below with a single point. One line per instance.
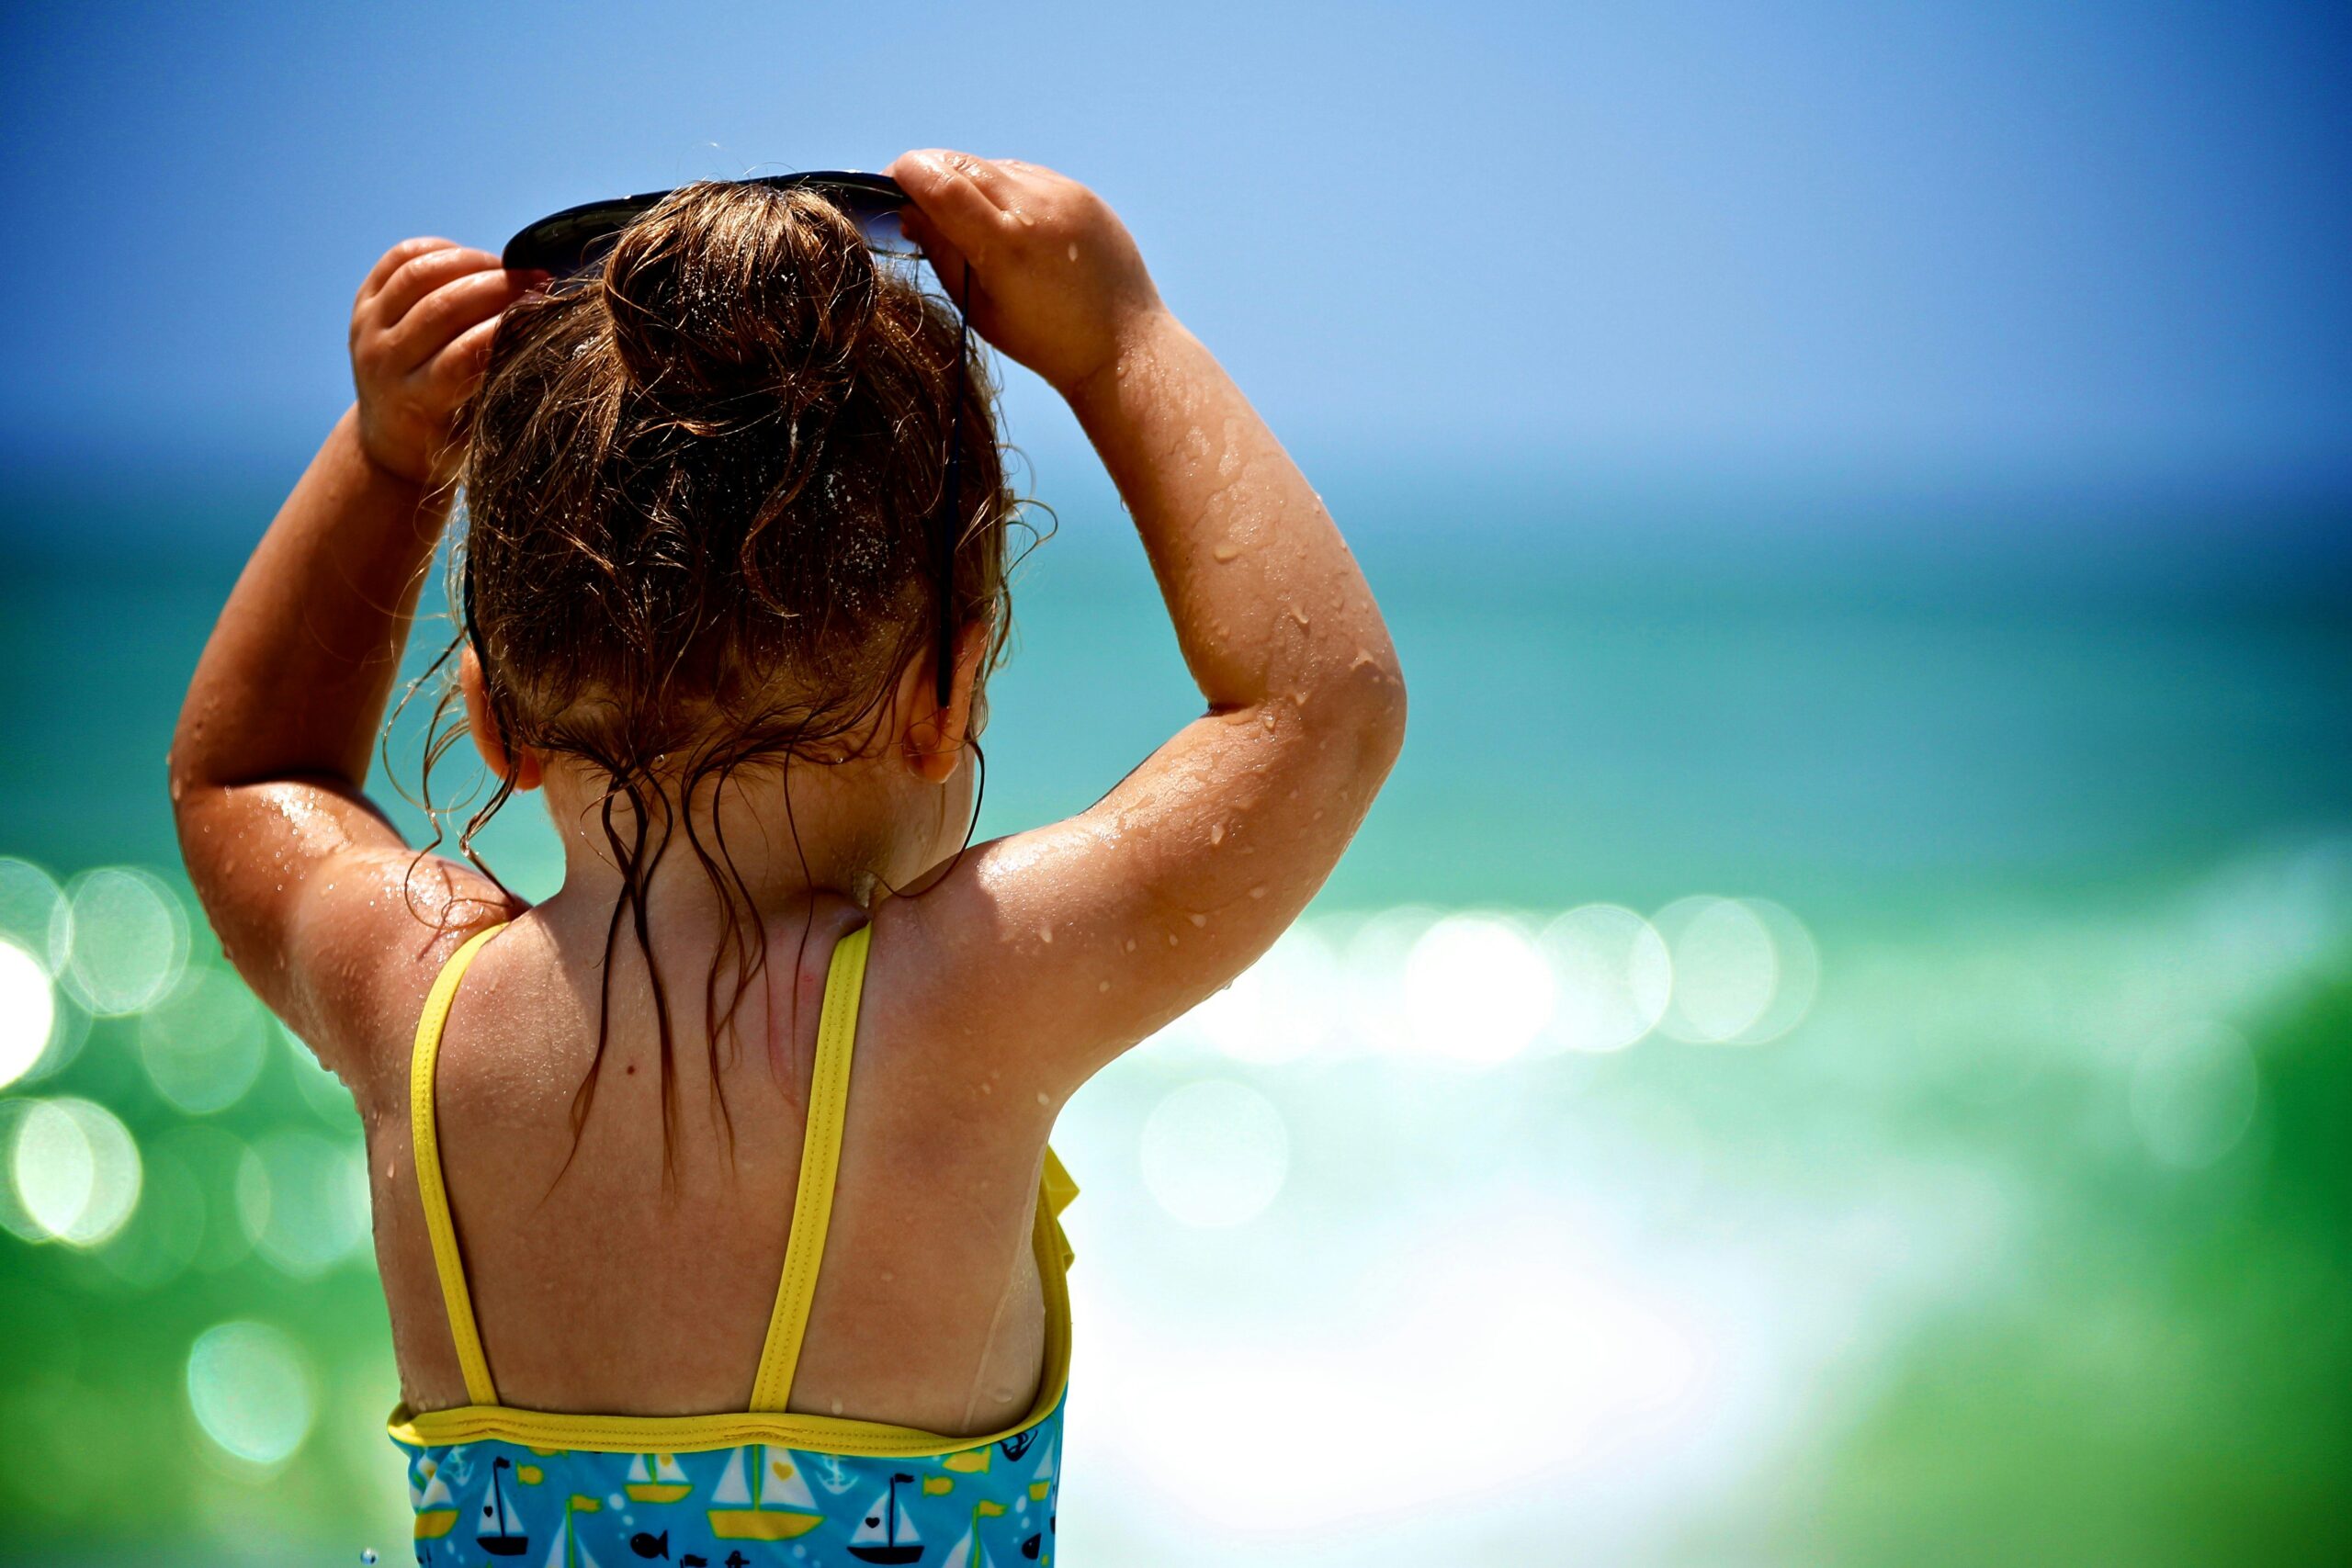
(1371, 709)
(189, 778)
(192, 800)
(183, 788)
(1386, 736)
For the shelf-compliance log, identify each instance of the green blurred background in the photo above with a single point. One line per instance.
(1832, 1048)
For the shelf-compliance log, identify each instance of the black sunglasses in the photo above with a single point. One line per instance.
(567, 242)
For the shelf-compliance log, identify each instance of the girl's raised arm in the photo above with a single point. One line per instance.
(307, 883)
(1065, 945)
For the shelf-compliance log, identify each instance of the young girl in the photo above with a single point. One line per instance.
(667, 1278)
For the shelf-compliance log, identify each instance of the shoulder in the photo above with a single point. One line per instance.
(360, 954)
(959, 1000)
(337, 924)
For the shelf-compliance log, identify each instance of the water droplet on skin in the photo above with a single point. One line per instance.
(1045, 935)
(1073, 250)
(987, 1089)
(1257, 892)
(1226, 552)
(1298, 614)
(1171, 939)
(1198, 920)
(1042, 1099)
(1104, 985)
(1217, 835)
(1131, 945)
(837, 1406)
(1269, 718)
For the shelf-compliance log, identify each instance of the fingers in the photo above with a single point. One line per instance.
(419, 276)
(946, 262)
(455, 371)
(929, 165)
(449, 311)
(392, 261)
(954, 191)
(1035, 172)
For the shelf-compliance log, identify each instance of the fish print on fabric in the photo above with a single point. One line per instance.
(739, 1507)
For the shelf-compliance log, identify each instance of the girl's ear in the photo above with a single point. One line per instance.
(524, 767)
(932, 743)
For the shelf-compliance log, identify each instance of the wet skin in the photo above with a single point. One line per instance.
(1021, 967)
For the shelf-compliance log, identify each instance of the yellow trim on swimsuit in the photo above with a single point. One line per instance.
(768, 1421)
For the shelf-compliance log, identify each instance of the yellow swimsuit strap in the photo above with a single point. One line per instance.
(446, 1262)
(813, 1208)
(820, 1154)
(804, 1255)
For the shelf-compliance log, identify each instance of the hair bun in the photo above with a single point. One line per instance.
(725, 291)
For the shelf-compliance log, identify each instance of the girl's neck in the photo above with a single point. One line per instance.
(856, 830)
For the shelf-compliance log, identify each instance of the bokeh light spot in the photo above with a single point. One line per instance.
(1613, 975)
(13, 1215)
(32, 909)
(251, 1389)
(1214, 1154)
(1374, 994)
(1726, 970)
(1797, 981)
(303, 1200)
(75, 1171)
(1476, 990)
(28, 1011)
(204, 1043)
(1279, 1007)
(129, 940)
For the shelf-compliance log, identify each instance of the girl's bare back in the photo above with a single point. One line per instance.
(603, 1282)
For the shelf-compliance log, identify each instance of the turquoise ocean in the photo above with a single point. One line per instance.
(1831, 1049)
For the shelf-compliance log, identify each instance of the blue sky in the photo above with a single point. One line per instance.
(1994, 239)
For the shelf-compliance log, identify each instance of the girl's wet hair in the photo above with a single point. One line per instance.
(700, 483)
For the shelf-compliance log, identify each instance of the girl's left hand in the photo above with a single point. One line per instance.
(420, 335)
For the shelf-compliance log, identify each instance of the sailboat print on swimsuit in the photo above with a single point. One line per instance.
(500, 1533)
(569, 1550)
(656, 1478)
(776, 1505)
(971, 1551)
(436, 1511)
(886, 1535)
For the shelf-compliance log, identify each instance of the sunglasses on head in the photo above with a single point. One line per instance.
(565, 244)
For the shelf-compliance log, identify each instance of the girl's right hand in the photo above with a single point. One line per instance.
(1057, 282)
(419, 334)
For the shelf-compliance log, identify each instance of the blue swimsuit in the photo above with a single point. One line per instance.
(761, 1486)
